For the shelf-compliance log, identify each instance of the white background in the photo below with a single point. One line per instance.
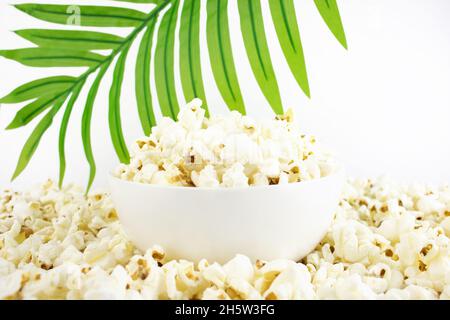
(383, 106)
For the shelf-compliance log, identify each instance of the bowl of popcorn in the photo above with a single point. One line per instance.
(215, 187)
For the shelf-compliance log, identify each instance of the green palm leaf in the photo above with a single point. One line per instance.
(252, 27)
(190, 65)
(32, 110)
(33, 141)
(286, 27)
(164, 63)
(63, 131)
(38, 88)
(82, 40)
(86, 124)
(330, 13)
(93, 16)
(115, 124)
(143, 94)
(53, 57)
(221, 56)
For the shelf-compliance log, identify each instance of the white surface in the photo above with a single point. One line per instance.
(382, 106)
(265, 222)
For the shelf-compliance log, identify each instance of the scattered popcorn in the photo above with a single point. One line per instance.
(387, 242)
(224, 151)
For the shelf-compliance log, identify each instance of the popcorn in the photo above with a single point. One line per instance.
(387, 242)
(206, 178)
(445, 295)
(430, 204)
(215, 275)
(235, 176)
(393, 228)
(353, 241)
(224, 151)
(10, 285)
(213, 293)
(294, 282)
(353, 287)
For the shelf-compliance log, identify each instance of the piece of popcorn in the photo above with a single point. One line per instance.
(214, 294)
(160, 178)
(352, 287)
(429, 204)
(215, 274)
(445, 224)
(235, 176)
(240, 267)
(154, 284)
(419, 293)
(191, 117)
(445, 295)
(240, 289)
(294, 282)
(393, 228)
(260, 179)
(174, 286)
(395, 294)
(145, 174)
(268, 272)
(99, 285)
(10, 284)
(353, 241)
(6, 267)
(207, 177)
(409, 246)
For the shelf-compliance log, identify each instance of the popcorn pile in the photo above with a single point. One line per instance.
(224, 151)
(387, 242)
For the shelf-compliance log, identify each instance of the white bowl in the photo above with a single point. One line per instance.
(262, 222)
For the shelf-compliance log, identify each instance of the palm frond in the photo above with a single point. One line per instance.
(164, 63)
(90, 16)
(33, 141)
(190, 65)
(82, 40)
(115, 124)
(86, 123)
(221, 55)
(75, 48)
(286, 27)
(39, 88)
(53, 57)
(330, 13)
(63, 131)
(32, 110)
(252, 27)
(143, 94)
